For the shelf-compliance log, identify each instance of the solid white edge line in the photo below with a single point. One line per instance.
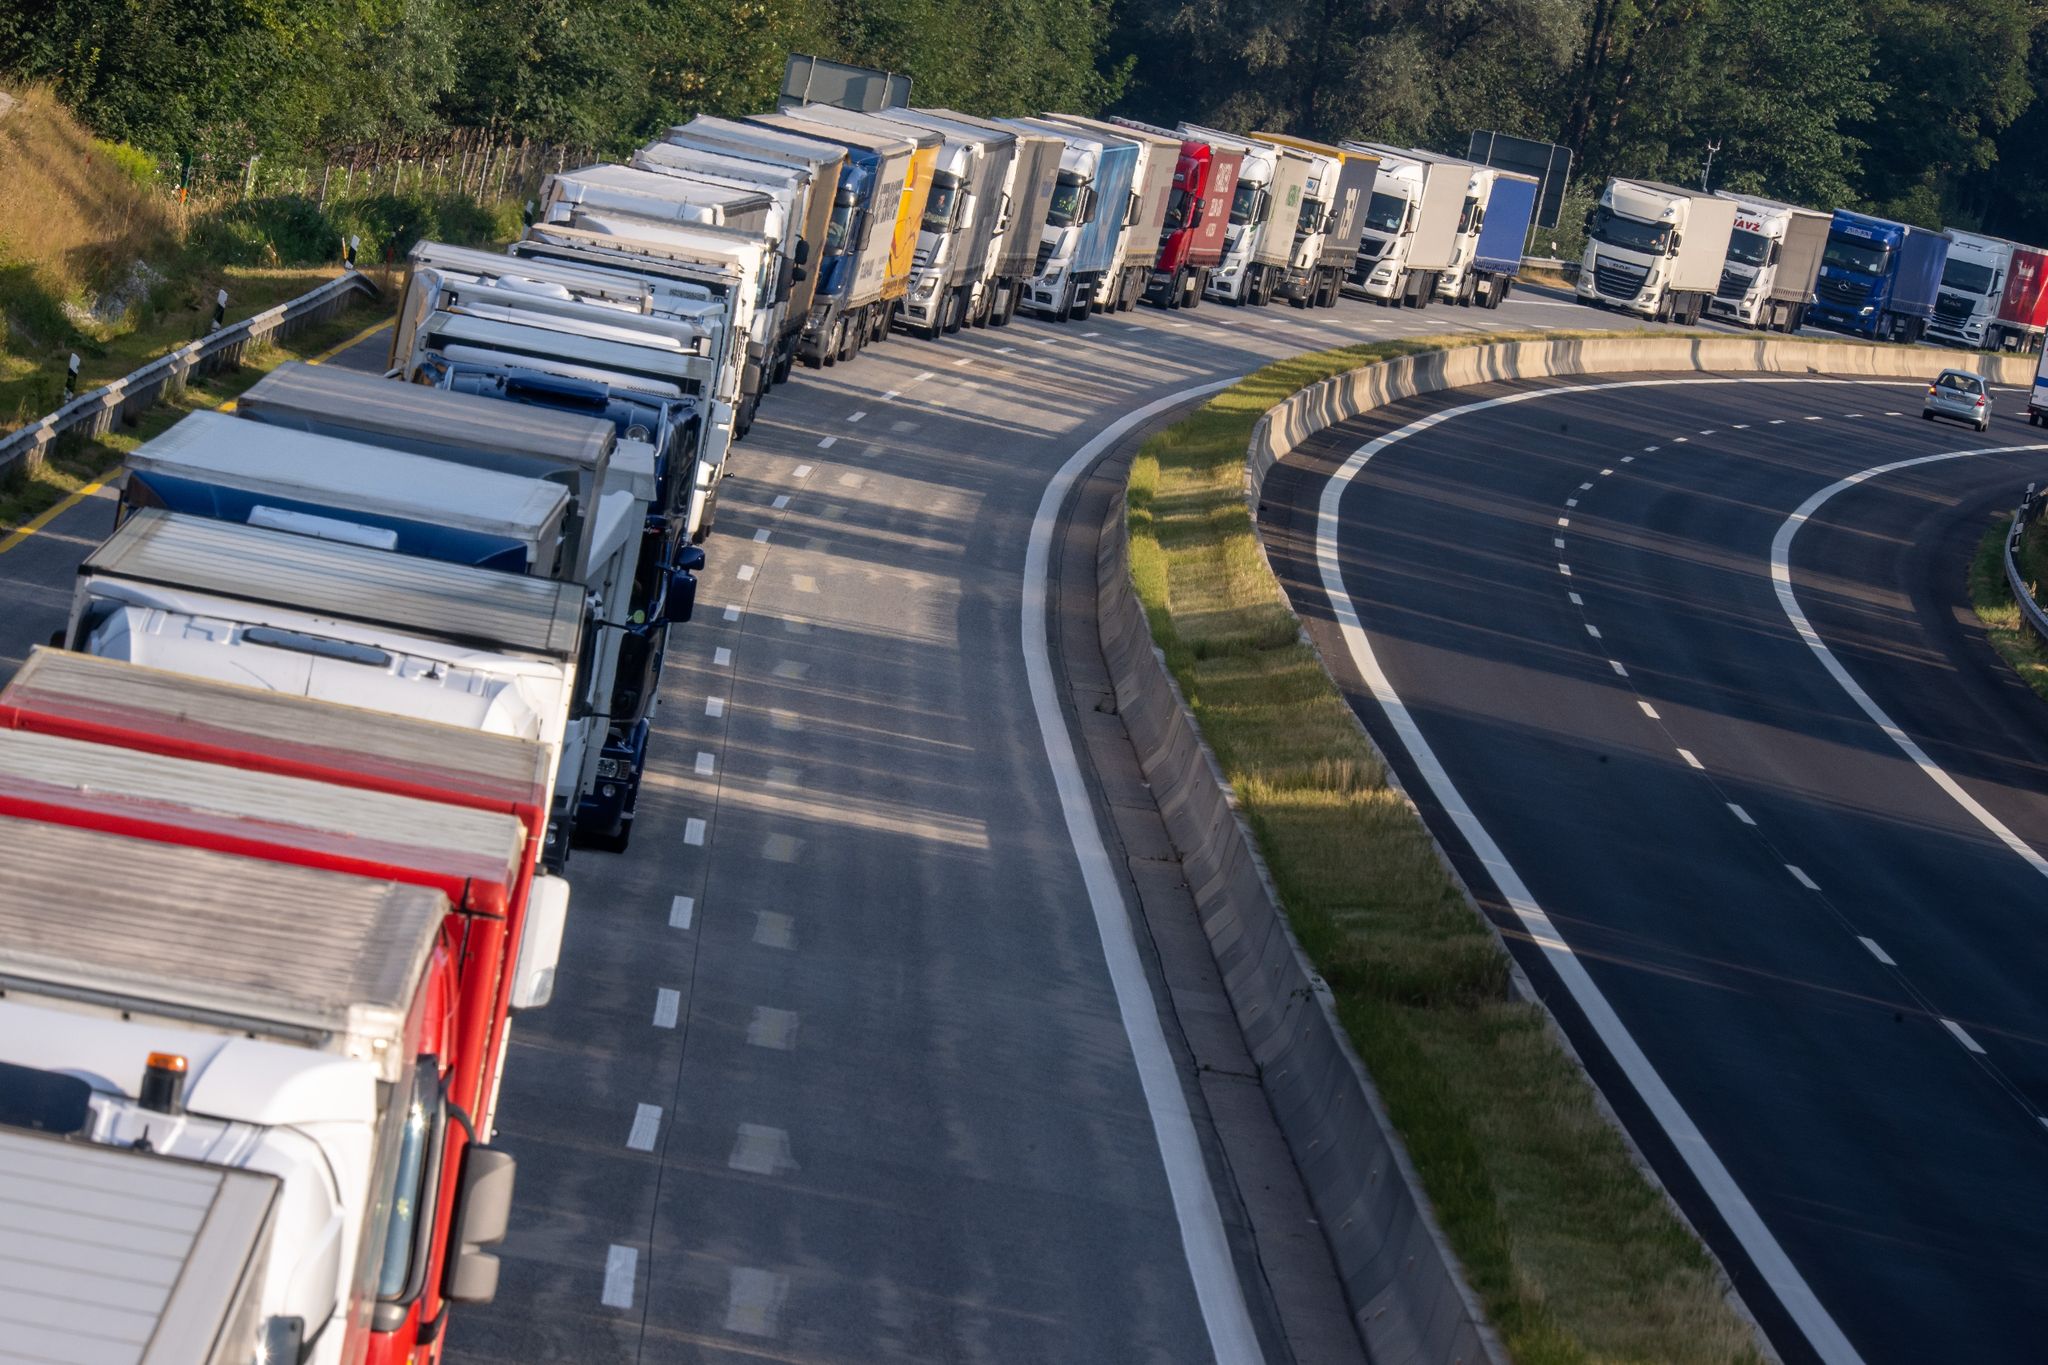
(1788, 602)
(1747, 1225)
(1231, 1336)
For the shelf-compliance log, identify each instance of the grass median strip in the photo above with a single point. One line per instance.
(1574, 1252)
(1991, 597)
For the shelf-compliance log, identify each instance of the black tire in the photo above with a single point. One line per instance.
(608, 841)
(1927, 413)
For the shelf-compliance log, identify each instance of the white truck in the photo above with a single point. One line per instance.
(345, 623)
(1774, 253)
(1145, 219)
(1411, 225)
(1076, 243)
(566, 327)
(1993, 294)
(1655, 250)
(953, 278)
(1272, 182)
(210, 1085)
(1025, 192)
(1458, 281)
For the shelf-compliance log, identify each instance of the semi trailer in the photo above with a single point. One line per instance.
(1878, 279)
(1197, 223)
(1084, 222)
(1655, 250)
(1993, 294)
(1264, 211)
(1027, 191)
(1146, 211)
(952, 276)
(1411, 222)
(1773, 260)
(1332, 221)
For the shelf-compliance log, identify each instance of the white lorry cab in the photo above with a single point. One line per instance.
(1456, 283)
(211, 1082)
(1655, 250)
(1972, 283)
(1774, 252)
(1025, 193)
(1411, 225)
(345, 623)
(1272, 183)
(1061, 281)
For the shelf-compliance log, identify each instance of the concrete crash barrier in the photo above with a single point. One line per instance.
(1404, 1287)
(1407, 1297)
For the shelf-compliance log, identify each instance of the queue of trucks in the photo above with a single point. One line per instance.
(363, 662)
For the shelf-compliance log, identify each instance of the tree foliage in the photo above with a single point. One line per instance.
(1928, 109)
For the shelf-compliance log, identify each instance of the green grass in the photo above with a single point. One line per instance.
(1992, 598)
(1576, 1255)
(76, 464)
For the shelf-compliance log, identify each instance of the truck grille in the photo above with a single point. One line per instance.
(1841, 293)
(1044, 255)
(1732, 285)
(1952, 308)
(1372, 246)
(921, 258)
(1618, 279)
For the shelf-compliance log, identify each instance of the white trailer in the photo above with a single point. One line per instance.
(1655, 250)
(1774, 252)
(1411, 225)
(1272, 182)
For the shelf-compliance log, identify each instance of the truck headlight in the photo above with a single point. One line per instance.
(610, 767)
(1865, 311)
(928, 287)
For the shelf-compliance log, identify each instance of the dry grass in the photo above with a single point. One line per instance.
(1575, 1254)
(1992, 598)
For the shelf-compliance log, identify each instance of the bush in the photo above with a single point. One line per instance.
(291, 229)
(137, 165)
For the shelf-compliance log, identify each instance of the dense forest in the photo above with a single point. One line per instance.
(1925, 109)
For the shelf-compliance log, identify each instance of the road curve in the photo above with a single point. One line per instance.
(1827, 961)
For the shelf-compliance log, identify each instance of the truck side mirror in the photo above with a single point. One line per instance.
(1677, 240)
(483, 1213)
(1777, 249)
(1195, 214)
(802, 254)
(785, 275)
(681, 598)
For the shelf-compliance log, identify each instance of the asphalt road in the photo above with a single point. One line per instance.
(1831, 963)
(835, 1068)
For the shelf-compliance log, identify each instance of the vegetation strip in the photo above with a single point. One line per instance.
(1991, 597)
(1575, 1253)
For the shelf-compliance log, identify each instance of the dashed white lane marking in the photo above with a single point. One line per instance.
(892, 393)
(706, 763)
(1615, 664)
(1895, 414)
(646, 1128)
(667, 1004)
(1557, 542)
(721, 657)
(1777, 421)
(1739, 813)
(621, 1271)
(781, 501)
(772, 1028)
(1740, 426)
(1680, 440)
(1218, 1292)
(802, 471)
(1813, 418)
(1584, 487)
(1799, 875)
(1564, 521)
(963, 360)
(1710, 431)
(1628, 459)
(693, 832)
(1605, 472)
(753, 1301)
(1852, 414)
(921, 376)
(827, 442)
(681, 911)
(1651, 450)
(773, 929)
(1962, 1037)
(1822, 1333)
(1690, 761)
(732, 611)
(1577, 600)
(1565, 569)
(1004, 350)
(1649, 710)
(1592, 630)
(746, 573)
(780, 847)
(853, 417)
(714, 707)
(1091, 334)
(1880, 954)
(761, 536)
(1571, 502)
(758, 1149)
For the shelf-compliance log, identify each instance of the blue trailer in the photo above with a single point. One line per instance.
(1503, 231)
(1878, 278)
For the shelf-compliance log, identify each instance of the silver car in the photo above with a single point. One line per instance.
(1961, 395)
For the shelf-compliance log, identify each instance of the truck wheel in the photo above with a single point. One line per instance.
(608, 841)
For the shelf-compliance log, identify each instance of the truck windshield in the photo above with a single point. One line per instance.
(1067, 192)
(1177, 209)
(1846, 253)
(1244, 205)
(839, 232)
(1385, 212)
(1630, 234)
(1967, 276)
(938, 206)
(1749, 248)
(407, 1193)
(1466, 214)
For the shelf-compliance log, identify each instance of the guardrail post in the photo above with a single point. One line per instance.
(71, 378)
(220, 311)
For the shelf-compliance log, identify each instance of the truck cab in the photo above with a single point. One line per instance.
(1655, 250)
(222, 1077)
(1068, 266)
(1878, 279)
(1146, 205)
(1187, 254)
(1264, 211)
(1410, 219)
(1332, 220)
(1025, 194)
(1773, 259)
(1972, 288)
(944, 271)
(1457, 283)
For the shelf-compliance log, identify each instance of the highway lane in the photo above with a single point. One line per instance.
(1806, 937)
(835, 1067)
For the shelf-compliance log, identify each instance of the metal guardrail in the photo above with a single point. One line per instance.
(94, 413)
(2022, 516)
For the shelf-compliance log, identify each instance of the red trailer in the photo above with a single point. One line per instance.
(2023, 306)
(106, 745)
(1197, 217)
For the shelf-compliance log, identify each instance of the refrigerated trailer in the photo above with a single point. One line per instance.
(1878, 279)
(1497, 245)
(1264, 211)
(1083, 228)
(212, 1017)
(1332, 220)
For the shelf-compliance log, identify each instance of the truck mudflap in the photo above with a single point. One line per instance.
(703, 504)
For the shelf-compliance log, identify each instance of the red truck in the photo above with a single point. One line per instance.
(123, 749)
(2023, 306)
(1197, 218)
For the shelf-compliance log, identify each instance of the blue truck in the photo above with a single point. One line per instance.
(1878, 278)
(1503, 231)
